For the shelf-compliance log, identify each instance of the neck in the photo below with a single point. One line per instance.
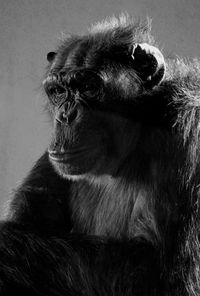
(118, 207)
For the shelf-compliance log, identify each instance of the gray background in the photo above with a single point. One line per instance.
(31, 28)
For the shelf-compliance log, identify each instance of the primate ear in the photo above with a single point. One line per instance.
(51, 56)
(149, 63)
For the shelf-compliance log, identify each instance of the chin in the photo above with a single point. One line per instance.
(72, 166)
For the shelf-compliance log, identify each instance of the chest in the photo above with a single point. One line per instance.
(112, 210)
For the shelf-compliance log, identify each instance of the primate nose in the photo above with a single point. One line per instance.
(67, 114)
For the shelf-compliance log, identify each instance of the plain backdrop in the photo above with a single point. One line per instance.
(31, 28)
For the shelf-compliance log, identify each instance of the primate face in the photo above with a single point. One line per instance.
(91, 86)
(88, 136)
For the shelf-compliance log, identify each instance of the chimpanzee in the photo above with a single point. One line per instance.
(112, 206)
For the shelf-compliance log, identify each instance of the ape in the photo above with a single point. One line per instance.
(112, 208)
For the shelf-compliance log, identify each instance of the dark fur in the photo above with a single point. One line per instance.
(137, 232)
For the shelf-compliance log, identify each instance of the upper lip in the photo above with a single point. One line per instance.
(71, 151)
(56, 153)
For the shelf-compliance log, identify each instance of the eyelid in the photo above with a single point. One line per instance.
(56, 88)
(73, 81)
(55, 91)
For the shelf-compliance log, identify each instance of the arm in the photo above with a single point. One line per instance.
(41, 201)
(75, 265)
(36, 256)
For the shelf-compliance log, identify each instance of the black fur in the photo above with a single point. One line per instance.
(132, 232)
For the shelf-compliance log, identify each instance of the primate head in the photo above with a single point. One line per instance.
(99, 90)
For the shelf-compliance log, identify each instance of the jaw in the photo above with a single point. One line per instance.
(84, 152)
(75, 166)
(93, 161)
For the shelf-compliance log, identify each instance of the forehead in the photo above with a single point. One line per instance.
(92, 52)
(105, 54)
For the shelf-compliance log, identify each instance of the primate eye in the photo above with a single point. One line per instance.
(89, 89)
(55, 90)
(57, 94)
(88, 83)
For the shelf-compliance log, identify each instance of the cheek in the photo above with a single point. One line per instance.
(84, 147)
(85, 135)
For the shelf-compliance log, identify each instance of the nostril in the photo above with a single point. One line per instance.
(67, 117)
(71, 116)
(68, 113)
(61, 117)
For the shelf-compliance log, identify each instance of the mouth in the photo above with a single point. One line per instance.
(66, 156)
